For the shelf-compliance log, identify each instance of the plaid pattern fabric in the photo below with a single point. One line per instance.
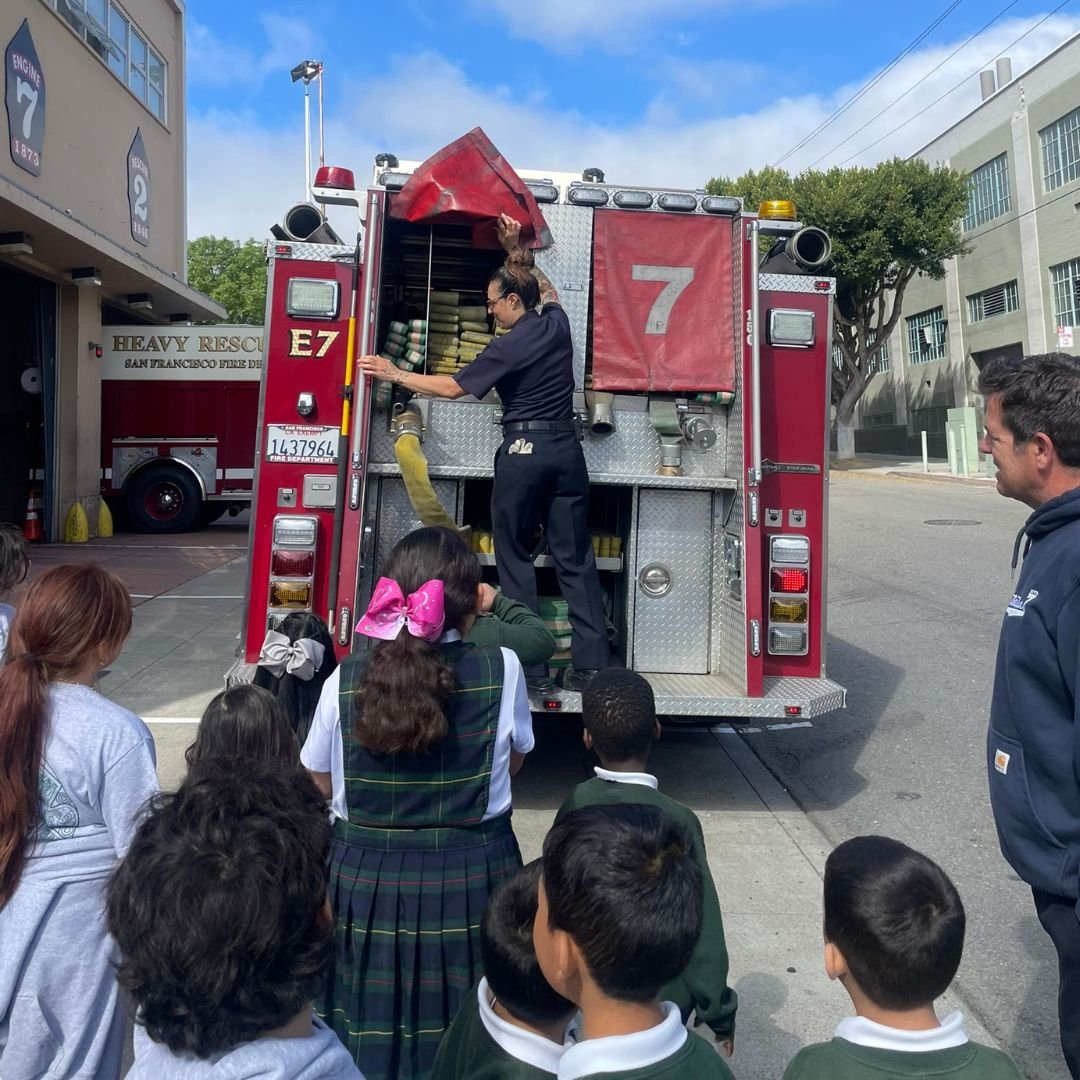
(448, 786)
(409, 877)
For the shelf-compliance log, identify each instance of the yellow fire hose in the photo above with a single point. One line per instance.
(414, 471)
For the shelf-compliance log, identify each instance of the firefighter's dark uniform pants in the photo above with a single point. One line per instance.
(541, 479)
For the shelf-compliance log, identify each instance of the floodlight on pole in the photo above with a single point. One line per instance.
(307, 70)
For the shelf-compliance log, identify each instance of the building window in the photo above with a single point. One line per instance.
(1065, 283)
(927, 336)
(999, 300)
(878, 365)
(112, 36)
(988, 193)
(1061, 151)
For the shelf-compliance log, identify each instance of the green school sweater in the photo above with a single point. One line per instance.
(702, 987)
(694, 1060)
(839, 1059)
(514, 626)
(468, 1051)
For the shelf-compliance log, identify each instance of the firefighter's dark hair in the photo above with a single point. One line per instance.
(516, 276)
(622, 881)
(14, 557)
(1039, 393)
(506, 948)
(896, 918)
(618, 709)
(245, 722)
(219, 907)
(401, 703)
(300, 697)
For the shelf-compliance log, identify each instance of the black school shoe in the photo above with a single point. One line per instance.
(578, 678)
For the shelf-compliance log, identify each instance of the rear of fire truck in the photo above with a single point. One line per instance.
(702, 386)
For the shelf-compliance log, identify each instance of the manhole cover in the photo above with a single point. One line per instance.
(951, 521)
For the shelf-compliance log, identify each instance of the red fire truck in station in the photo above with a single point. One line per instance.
(178, 419)
(703, 390)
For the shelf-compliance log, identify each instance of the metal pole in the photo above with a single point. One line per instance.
(963, 451)
(925, 455)
(322, 154)
(307, 141)
(950, 440)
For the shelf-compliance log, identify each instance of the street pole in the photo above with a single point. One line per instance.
(925, 455)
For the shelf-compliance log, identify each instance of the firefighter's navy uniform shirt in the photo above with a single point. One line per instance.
(532, 368)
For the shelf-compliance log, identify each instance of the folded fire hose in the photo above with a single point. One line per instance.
(414, 471)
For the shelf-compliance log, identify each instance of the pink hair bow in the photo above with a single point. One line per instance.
(421, 613)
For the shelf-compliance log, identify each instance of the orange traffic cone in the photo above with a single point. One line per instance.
(32, 525)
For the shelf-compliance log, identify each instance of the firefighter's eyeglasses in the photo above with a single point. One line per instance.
(491, 303)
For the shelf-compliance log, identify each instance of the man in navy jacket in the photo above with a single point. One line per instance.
(1033, 748)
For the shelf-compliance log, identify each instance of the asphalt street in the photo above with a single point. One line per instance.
(918, 583)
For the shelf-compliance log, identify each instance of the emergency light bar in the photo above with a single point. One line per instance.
(721, 204)
(393, 181)
(671, 200)
(587, 196)
(789, 595)
(638, 200)
(543, 193)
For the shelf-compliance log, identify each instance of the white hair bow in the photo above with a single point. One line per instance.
(280, 656)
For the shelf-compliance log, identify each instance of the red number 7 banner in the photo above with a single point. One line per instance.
(662, 302)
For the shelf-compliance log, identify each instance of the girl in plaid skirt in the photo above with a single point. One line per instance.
(414, 742)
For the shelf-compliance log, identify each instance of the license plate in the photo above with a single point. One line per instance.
(301, 444)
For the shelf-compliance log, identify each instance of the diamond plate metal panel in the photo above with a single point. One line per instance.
(795, 283)
(397, 517)
(311, 252)
(634, 449)
(715, 696)
(686, 483)
(460, 434)
(671, 632)
(568, 262)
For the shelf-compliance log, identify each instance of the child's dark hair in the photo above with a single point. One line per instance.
(14, 557)
(244, 722)
(622, 881)
(897, 919)
(506, 946)
(401, 705)
(299, 697)
(618, 709)
(219, 906)
(516, 276)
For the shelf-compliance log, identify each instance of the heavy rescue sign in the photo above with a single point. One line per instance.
(209, 353)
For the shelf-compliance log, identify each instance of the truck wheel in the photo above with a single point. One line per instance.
(165, 499)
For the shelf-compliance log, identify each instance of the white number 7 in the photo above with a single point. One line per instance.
(677, 278)
(25, 90)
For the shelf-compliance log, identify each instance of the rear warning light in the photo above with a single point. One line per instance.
(789, 580)
(290, 594)
(789, 550)
(292, 563)
(787, 640)
(793, 710)
(295, 532)
(552, 704)
(788, 611)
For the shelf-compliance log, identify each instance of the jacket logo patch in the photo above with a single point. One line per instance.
(1001, 759)
(1018, 604)
(520, 446)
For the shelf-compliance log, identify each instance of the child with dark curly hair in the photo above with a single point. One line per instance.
(220, 912)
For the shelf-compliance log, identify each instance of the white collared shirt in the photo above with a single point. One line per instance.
(324, 752)
(621, 1053)
(520, 1044)
(643, 778)
(863, 1032)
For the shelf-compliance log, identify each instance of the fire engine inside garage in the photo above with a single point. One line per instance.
(705, 444)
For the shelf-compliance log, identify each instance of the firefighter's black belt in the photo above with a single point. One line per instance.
(520, 427)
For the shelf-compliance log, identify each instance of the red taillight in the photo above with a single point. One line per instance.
(551, 704)
(789, 580)
(793, 710)
(292, 564)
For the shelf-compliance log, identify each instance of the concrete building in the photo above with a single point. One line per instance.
(92, 226)
(1019, 289)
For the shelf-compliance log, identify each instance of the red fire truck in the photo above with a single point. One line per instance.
(703, 389)
(178, 416)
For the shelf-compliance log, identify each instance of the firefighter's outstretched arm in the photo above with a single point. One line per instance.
(443, 386)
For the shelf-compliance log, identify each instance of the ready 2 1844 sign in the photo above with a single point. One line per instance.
(24, 96)
(138, 175)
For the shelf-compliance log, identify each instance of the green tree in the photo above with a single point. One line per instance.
(232, 273)
(887, 224)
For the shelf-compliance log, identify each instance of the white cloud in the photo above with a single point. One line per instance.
(423, 101)
(214, 62)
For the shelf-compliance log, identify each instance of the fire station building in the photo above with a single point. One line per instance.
(1018, 291)
(92, 227)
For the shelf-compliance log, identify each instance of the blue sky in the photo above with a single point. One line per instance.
(648, 96)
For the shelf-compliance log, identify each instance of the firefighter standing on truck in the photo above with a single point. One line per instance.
(540, 473)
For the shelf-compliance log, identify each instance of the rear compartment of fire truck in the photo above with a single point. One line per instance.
(667, 546)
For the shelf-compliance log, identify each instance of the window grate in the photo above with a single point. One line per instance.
(1061, 151)
(1065, 285)
(927, 336)
(988, 193)
(1000, 300)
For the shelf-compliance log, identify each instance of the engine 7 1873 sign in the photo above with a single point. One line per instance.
(24, 96)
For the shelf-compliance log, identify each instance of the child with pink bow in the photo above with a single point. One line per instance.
(414, 742)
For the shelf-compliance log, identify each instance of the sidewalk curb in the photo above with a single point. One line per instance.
(815, 846)
(940, 478)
